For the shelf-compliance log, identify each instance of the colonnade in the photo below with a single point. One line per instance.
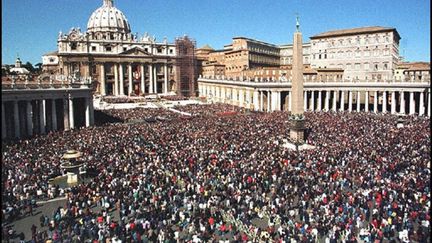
(118, 87)
(27, 117)
(409, 101)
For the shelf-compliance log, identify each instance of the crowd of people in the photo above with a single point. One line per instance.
(229, 178)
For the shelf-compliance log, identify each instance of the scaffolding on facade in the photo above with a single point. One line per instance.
(186, 66)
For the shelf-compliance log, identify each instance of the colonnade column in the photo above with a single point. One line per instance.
(305, 100)
(130, 88)
(42, 119)
(376, 102)
(350, 101)
(421, 108)
(429, 104)
(268, 101)
(312, 104)
(319, 100)
(342, 101)
(121, 79)
(142, 78)
(327, 101)
(87, 111)
(262, 101)
(358, 101)
(256, 100)
(16, 120)
(3, 122)
(384, 103)
(412, 103)
(393, 103)
(66, 114)
(402, 102)
(116, 80)
(53, 115)
(30, 118)
(241, 97)
(71, 114)
(150, 69)
(290, 101)
(102, 85)
(334, 100)
(366, 101)
(166, 78)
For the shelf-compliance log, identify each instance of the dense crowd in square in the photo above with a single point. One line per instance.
(215, 178)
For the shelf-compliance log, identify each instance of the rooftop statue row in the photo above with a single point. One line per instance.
(75, 34)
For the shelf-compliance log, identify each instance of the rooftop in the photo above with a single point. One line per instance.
(354, 31)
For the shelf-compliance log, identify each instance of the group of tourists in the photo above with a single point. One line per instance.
(230, 178)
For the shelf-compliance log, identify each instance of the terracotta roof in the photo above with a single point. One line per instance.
(51, 53)
(354, 31)
(206, 47)
(414, 66)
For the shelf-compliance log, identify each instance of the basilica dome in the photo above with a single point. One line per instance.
(108, 18)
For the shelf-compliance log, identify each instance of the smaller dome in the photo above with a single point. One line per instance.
(108, 18)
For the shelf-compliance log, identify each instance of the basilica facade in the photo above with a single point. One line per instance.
(120, 62)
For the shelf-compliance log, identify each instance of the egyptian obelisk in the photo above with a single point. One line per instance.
(297, 118)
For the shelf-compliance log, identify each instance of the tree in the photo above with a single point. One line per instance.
(29, 67)
(38, 67)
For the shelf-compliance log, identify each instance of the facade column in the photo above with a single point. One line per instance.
(42, 118)
(30, 118)
(384, 103)
(366, 101)
(376, 102)
(142, 79)
(116, 80)
(3, 121)
(305, 100)
(335, 92)
(53, 115)
(327, 101)
(150, 70)
(71, 114)
(358, 101)
(16, 120)
(350, 101)
(319, 108)
(248, 98)
(421, 108)
(87, 111)
(166, 78)
(91, 110)
(411, 103)
(155, 79)
(278, 100)
(121, 72)
(102, 84)
(130, 88)
(66, 114)
(342, 101)
(393, 103)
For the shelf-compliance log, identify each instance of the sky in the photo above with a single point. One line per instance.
(30, 28)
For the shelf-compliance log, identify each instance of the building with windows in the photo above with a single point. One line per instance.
(119, 62)
(367, 53)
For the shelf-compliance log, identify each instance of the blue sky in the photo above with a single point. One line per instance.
(30, 28)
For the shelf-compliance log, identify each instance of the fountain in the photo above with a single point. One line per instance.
(71, 166)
